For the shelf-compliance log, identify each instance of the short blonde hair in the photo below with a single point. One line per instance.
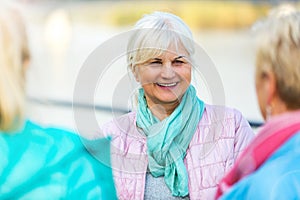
(154, 33)
(279, 50)
(13, 53)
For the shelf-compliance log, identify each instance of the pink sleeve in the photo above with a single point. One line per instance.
(243, 134)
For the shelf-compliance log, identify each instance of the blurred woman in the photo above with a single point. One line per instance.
(175, 146)
(38, 162)
(269, 168)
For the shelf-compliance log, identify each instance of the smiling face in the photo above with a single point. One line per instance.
(165, 77)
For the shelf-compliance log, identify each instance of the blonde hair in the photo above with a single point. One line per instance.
(279, 50)
(154, 33)
(13, 53)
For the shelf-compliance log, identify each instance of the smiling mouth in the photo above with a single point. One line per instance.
(167, 84)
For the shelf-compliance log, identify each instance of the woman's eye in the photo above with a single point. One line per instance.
(178, 62)
(155, 62)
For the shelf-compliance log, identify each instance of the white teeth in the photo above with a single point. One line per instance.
(167, 84)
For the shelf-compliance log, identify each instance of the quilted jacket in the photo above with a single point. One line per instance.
(222, 133)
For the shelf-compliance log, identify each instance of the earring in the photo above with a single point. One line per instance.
(268, 112)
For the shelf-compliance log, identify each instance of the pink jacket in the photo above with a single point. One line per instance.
(221, 135)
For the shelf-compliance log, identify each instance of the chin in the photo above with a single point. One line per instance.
(169, 100)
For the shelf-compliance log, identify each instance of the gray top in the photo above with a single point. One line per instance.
(156, 189)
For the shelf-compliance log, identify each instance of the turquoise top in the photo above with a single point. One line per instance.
(51, 163)
(277, 178)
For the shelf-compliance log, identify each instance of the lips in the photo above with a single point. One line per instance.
(167, 84)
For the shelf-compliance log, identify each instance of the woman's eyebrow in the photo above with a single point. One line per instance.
(176, 58)
(157, 59)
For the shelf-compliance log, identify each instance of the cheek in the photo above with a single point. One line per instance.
(259, 94)
(146, 76)
(185, 74)
(141, 74)
(189, 76)
(258, 88)
(261, 98)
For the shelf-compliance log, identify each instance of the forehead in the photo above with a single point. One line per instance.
(174, 50)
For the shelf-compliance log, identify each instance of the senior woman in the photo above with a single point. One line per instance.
(161, 150)
(269, 167)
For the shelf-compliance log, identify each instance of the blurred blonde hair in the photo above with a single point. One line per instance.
(279, 50)
(14, 53)
(154, 33)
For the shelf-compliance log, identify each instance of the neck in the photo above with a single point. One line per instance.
(162, 111)
(279, 107)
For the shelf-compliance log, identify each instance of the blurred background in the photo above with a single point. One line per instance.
(62, 34)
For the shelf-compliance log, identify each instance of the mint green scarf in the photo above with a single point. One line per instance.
(168, 140)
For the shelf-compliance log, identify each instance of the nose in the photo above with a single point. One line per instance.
(167, 71)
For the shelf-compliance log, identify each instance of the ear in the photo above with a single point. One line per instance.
(135, 73)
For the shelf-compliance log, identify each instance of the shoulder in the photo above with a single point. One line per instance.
(214, 114)
(51, 135)
(53, 131)
(277, 178)
(125, 123)
(226, 122)
(268, 183)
